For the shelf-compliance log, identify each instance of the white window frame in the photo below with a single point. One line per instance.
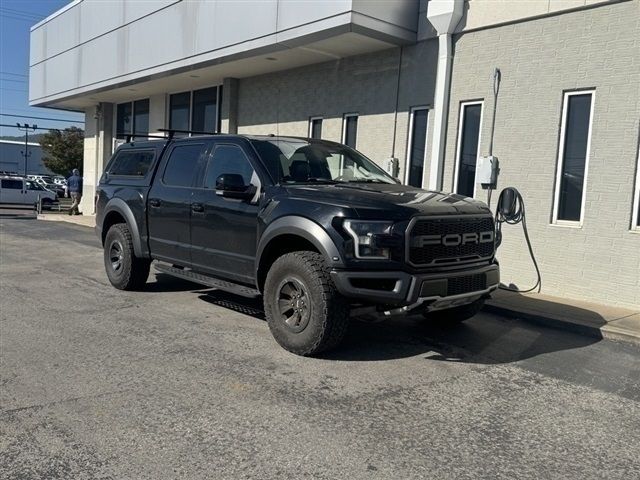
(459, 142)
(407, 163)
(636, 197)
(344, 127)
(311, 119)
(560, 159)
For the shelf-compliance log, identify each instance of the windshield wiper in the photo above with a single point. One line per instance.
(313, 180)
(366, 180)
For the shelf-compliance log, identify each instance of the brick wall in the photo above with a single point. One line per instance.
(539, 59)
(282, 102)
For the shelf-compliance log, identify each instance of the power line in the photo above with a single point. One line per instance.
(16, 74)
(21, 12)
(41, 118)
(36, 128)
(24, 19)
(14, 89)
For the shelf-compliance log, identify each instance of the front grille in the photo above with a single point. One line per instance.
(466, 284)
(449, 240)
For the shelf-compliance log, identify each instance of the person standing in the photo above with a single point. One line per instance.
(75, 190)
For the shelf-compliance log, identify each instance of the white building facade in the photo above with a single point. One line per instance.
(406, 79)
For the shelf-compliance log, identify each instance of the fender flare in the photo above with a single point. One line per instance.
(305, 228)
(120, 206)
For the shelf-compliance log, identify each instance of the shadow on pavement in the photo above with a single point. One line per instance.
(237, 303)
(485, 339)
(167, 283)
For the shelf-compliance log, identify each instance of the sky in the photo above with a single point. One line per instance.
(16, 19)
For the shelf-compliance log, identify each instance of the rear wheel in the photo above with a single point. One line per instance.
(456, 315)
(305, 312)
(124, 269)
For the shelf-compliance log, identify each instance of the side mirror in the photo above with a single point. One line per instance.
(231, 185)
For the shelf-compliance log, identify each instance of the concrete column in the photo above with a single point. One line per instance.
(444, 15)
(98, 145)
(229, 106)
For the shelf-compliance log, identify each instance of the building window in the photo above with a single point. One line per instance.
(197, 111)
(179, 105)
(417, 146)
(315, 127)
(132, 118)
(350, 129)
(635, 222)
(205, 110)
(573, 156)
(468, 147)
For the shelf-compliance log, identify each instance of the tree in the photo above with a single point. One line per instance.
(63, 150)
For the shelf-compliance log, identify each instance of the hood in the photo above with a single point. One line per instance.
(376, 200)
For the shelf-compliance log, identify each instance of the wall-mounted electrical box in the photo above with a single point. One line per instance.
(487, 170)
(391, 166)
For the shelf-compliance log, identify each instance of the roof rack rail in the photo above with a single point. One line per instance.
(170, 134)
(129, 136)
(172, 131)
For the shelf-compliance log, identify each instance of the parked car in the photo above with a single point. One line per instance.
(56, 188)
(18, 190)
(314, 227)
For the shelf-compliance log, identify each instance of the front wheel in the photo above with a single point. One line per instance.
(124, 269)
(456, 315)
(305, 312)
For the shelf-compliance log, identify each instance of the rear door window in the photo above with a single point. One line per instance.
(12, 184)
(132, 163)
(182, 165)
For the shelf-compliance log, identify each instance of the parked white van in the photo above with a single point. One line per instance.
(19, 190)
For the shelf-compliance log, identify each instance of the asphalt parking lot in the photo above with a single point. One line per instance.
(183, 382)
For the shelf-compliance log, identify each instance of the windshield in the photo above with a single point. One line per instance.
(305, 161)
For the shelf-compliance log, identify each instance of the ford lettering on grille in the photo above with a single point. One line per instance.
(450, 240)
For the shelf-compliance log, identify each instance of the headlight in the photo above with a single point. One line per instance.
(364, 237)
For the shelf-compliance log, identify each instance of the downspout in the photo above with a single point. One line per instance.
(444, 15)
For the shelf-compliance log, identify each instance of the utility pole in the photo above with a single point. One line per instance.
(25, 128)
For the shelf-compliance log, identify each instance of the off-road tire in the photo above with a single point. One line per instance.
(132, 272)
(455, 316)
(328, 314)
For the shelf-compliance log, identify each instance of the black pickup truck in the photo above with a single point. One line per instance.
(314, 227)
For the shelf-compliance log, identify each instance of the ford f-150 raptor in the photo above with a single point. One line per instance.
(314, 227)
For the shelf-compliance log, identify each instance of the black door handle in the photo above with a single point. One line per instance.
(197, 207)
(154, 202)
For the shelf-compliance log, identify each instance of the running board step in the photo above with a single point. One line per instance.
(207, 280)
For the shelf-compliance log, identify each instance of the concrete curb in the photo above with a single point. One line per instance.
(608, 331)
(84, 221)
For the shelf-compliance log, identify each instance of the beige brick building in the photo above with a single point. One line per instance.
(413, 80)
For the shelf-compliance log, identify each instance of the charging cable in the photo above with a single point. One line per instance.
(510, 210)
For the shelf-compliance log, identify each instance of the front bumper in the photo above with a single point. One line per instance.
(405, 290)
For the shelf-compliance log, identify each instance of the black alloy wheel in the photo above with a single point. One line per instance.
(293, 304)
